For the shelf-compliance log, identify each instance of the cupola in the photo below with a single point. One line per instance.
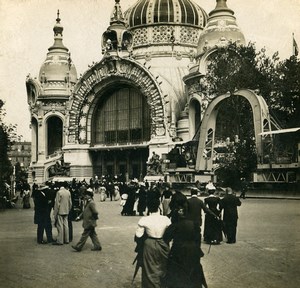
(220, 30)
(58, 72)
(116, 38)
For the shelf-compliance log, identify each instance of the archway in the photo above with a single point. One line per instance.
(261, 121)
(120, 132)
(54, 134)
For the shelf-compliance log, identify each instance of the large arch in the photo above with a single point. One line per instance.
(98, 79)
(261, 120)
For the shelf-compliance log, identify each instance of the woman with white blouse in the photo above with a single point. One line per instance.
(151, 248)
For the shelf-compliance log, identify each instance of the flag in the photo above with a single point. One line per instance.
(295, 47)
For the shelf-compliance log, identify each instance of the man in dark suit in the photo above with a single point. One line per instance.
(229, 206)
(195, 207)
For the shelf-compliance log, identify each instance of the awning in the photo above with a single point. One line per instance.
(289, 130)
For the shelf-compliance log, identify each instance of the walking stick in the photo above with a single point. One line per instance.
(209, 248)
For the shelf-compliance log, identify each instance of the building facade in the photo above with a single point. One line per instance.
(141, 98)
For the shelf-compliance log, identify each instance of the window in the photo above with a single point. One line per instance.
(123, 117)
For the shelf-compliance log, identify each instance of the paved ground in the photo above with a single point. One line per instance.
(267, 253)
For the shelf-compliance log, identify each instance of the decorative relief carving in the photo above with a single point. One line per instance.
(189, 35)
(84, 94)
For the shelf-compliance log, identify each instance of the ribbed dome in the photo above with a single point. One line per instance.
(58, 66)
(149, 12)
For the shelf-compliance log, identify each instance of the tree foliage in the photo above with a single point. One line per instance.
(8, 135)
(243, 67)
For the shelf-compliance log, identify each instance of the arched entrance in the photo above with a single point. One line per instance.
(261, 121)
(120, 132)
(54, 134)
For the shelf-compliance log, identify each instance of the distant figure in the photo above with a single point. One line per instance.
(210, 188)
(229, 206)
(244, 188)
(89, 216)
(26, 199)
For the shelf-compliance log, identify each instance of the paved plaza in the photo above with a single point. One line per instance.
(267, 252)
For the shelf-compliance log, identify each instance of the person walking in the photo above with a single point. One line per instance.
(62, 208)
(184, 267)
(229, 206)
(89, 216)
(152, 250)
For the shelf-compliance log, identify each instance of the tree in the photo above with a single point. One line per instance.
(286, 96)
(242, 67)
(8, 136)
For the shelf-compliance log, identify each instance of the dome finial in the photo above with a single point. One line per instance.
(58, 19)
(117, 15)
(58, 29)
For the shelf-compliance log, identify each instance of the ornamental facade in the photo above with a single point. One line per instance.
(141, 97)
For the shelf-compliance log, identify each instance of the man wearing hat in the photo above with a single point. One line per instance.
(230, 215)
(89, 216)
(62, 207)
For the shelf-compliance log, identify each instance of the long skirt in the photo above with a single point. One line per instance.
(155, 258)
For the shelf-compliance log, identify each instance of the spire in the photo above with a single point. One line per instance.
(221, 7)
(58, 34)
(117, 15)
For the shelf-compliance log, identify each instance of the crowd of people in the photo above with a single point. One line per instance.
(168, 235)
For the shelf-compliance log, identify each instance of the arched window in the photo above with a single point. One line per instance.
(122, 117)
(35, 140)
(54, 134)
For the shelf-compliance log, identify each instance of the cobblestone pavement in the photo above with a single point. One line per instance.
(267, 252)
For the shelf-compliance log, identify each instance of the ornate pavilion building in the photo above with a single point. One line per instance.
(141, 97)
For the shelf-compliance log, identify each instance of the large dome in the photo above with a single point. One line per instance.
(165, 27)
(149, 12)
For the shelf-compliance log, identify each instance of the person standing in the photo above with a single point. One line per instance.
(229, 206)
(62, 208)
(42, 209)
(244, 188)
(166, 199)
(89, 216)
(151, 248)
(212, 225)
(195, 208)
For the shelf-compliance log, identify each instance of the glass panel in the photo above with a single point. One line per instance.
(124, 117)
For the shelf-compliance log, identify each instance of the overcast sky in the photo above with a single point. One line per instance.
(26, 34)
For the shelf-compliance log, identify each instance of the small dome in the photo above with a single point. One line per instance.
(221, 29)
(58, 66)
(149, 12)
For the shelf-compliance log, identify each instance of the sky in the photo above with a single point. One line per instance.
(27, 32)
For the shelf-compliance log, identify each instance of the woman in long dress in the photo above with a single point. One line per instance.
(184, 267)
(151, 248)
(212, 225)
